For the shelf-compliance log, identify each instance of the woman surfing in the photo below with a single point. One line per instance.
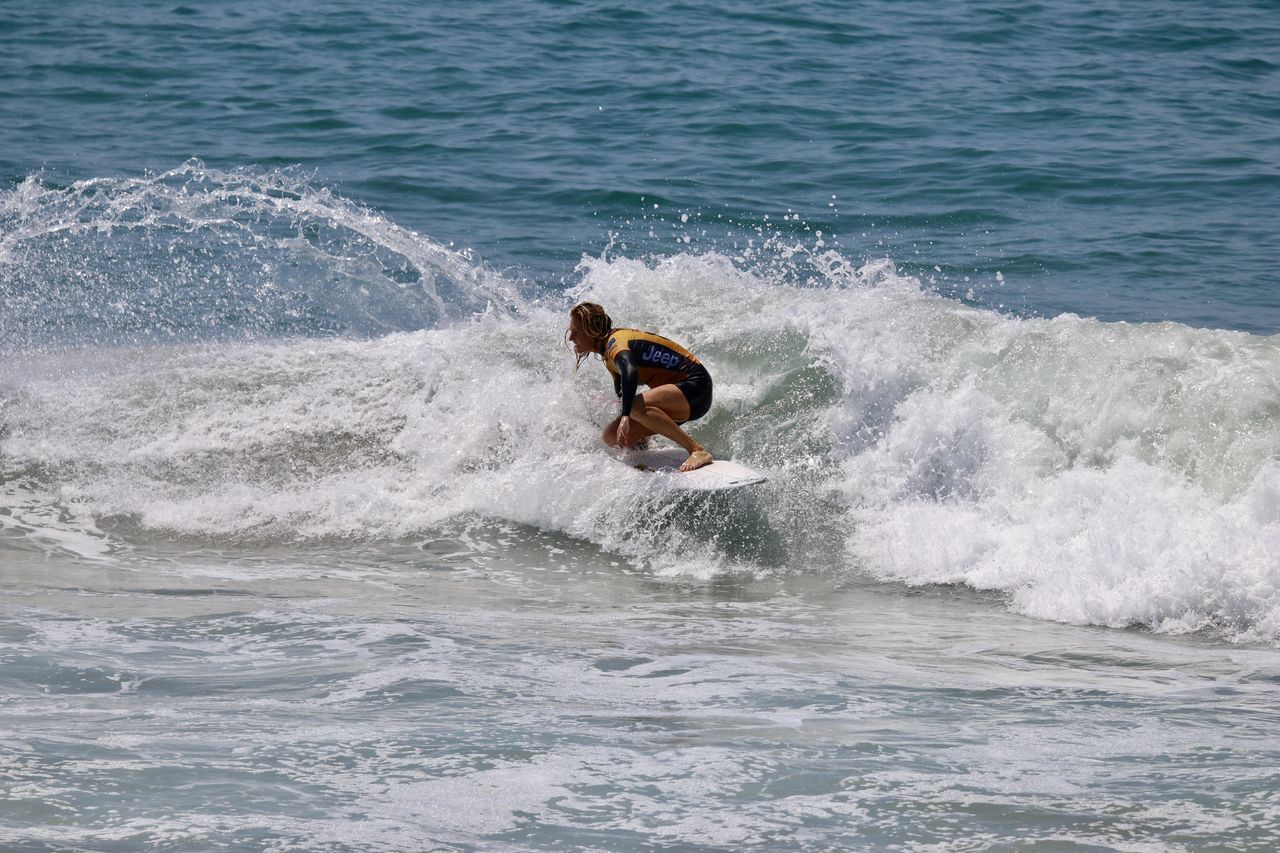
(679, 386)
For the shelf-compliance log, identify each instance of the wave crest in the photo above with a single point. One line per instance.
(198, 253)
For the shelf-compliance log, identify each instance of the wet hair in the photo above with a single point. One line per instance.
(592, 319)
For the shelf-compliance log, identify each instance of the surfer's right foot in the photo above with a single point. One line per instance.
(697, 459)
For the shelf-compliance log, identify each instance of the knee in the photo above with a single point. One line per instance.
(610, 435)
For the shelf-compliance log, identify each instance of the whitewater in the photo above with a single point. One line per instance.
(393, 570)
(1095, 473)
(307, 537)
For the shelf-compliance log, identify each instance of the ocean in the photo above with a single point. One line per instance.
(307, 536)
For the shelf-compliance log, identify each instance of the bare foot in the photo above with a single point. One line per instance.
(696, 459)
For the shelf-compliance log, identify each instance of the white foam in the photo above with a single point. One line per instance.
(199, 252)
(1099, 473)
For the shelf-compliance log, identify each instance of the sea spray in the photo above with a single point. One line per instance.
(1100, 473)
(202, 253)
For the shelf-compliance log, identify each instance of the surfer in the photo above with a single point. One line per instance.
(679, 386)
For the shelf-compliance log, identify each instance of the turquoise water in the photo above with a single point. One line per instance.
(306, 536)
(1112, 162)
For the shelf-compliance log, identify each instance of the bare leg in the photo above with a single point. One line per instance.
(657, 410)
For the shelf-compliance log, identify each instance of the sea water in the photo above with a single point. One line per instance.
(306, 536)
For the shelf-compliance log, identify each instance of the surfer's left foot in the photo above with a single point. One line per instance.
(696, 459)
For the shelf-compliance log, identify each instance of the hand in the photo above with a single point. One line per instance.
(624, 428)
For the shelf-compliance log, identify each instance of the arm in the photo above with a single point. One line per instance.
(627, 380)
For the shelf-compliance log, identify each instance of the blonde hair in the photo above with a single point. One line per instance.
(593, 320)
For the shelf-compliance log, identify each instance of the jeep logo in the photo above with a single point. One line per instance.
(666, 358)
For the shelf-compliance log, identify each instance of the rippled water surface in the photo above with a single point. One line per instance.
(447, 690)
(306, 536)
(1105, 160)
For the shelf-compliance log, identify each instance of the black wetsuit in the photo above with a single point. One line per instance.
(643, 358)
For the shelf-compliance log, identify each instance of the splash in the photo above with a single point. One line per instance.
(1089, 472)
(198, 253)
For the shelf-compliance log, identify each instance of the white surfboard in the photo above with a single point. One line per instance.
(720, 475)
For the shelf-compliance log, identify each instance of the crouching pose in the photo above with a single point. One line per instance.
(679, 386)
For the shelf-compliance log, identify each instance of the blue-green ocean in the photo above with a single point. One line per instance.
(307, 537)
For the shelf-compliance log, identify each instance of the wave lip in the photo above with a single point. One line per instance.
(199, 253)
(1107, 474)
(1089, 472)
